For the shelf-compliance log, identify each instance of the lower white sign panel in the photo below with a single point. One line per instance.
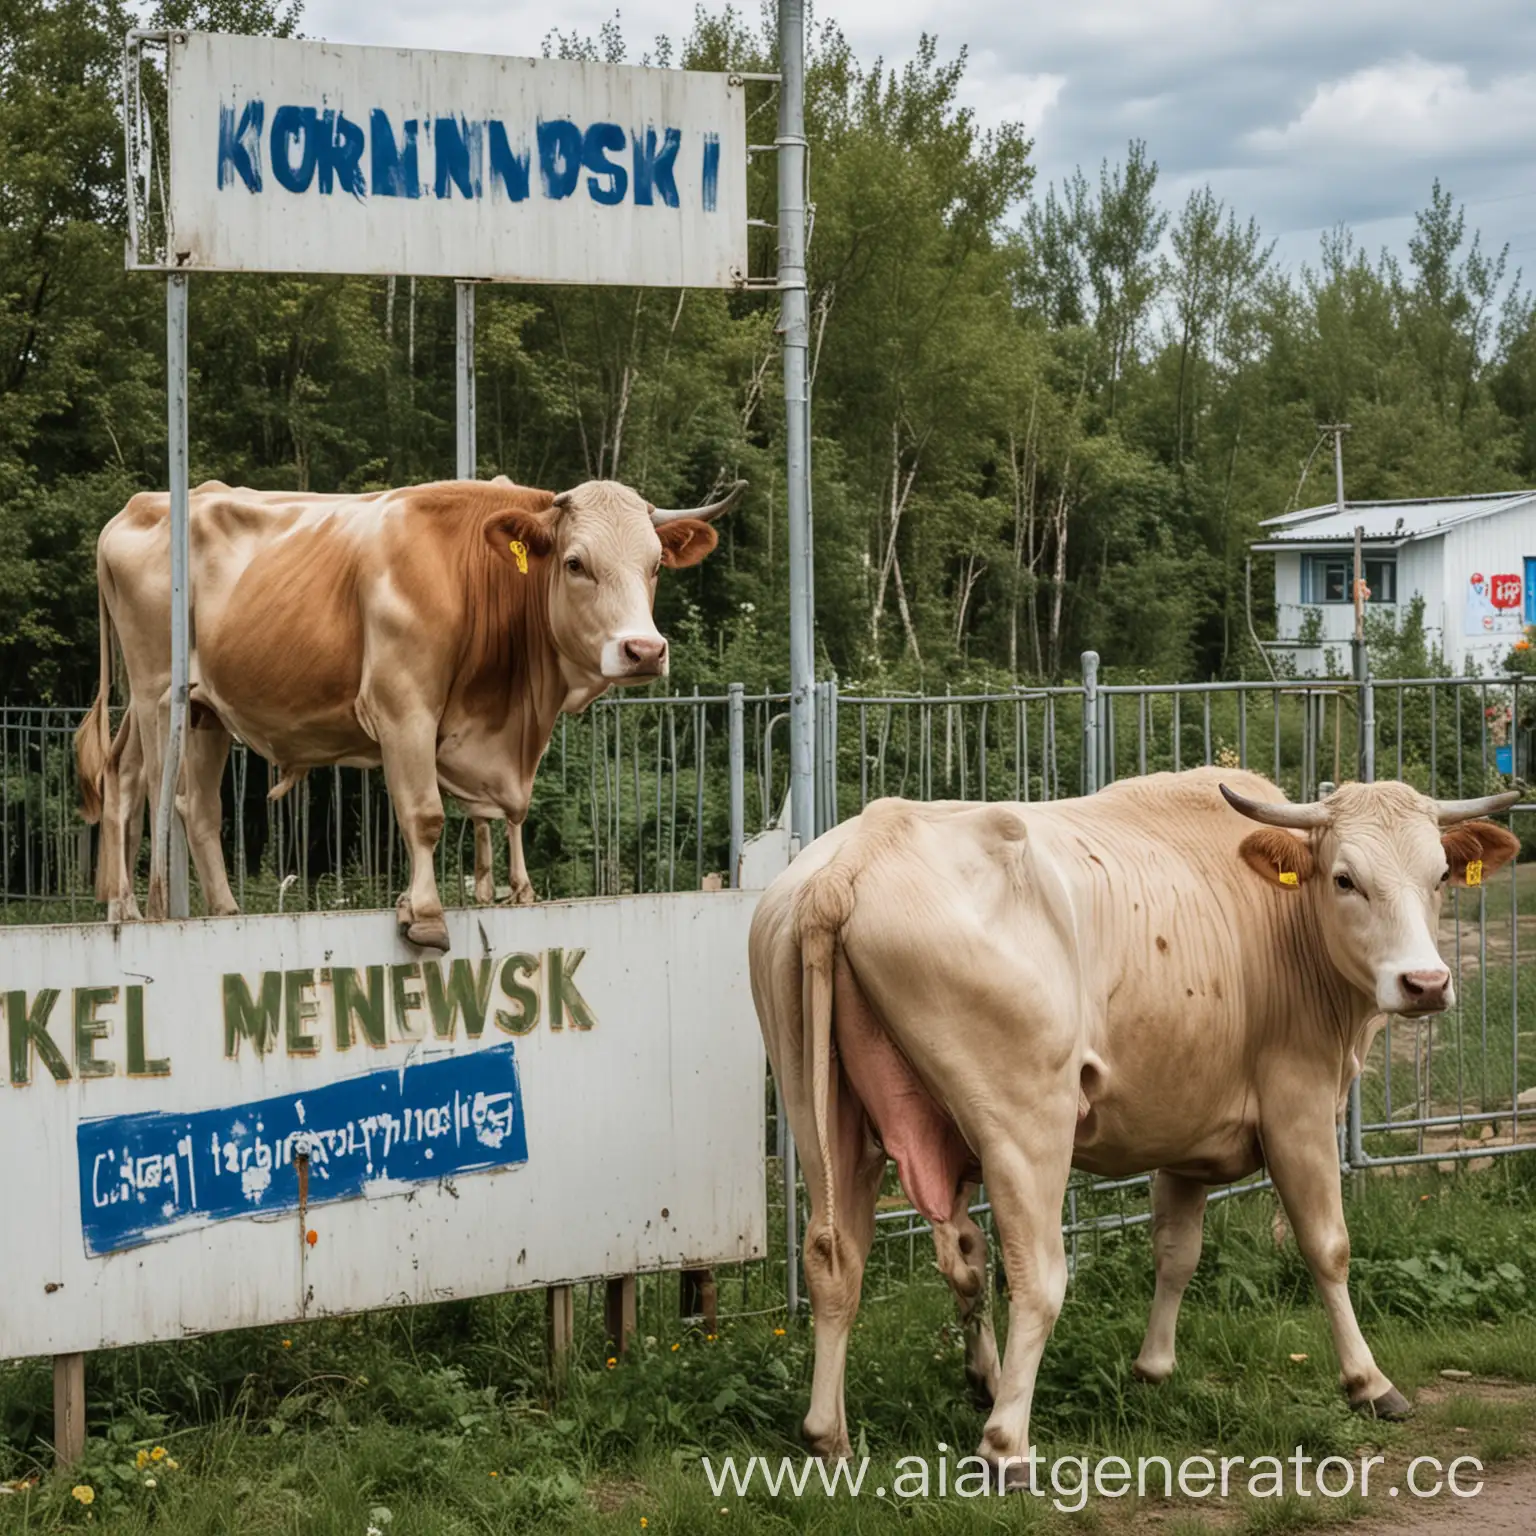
(248, 1120)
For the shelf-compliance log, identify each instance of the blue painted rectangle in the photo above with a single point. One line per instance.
(1504, 759)
(148, 1175)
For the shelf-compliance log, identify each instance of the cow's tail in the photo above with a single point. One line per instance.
(93, 741)
(822, 909)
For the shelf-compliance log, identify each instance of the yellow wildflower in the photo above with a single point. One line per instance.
(287, 1343)
(643, 1522)
(675, 1348)
(141, 1460)
(171, 1463)
(158, 1454)
(1297, 1359)
(709, 1338)
(495, 1474)
(612, 1361)
(778, 1333)
(84, 1493)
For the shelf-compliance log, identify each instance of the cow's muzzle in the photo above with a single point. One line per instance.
(1425, 992)
(635, 659)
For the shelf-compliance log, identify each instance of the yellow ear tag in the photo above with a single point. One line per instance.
(1288, 877)
(520, 554)
(1474, 871)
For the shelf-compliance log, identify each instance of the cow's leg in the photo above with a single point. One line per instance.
(961, 1247)
(485, 864)
(410, 774)
(1302, 1150)
(203, 813)
(1178, 1222)
(1026, 1178)
(122, 824)
(154, 731)
(522, 886)
(834, 1258)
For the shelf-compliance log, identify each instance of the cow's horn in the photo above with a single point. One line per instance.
(702, 514)
(1301, 818)
(1452, 811)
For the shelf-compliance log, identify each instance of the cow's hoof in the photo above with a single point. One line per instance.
(428, 933)
(1390, 1405)
(1006, 1474)
(1152, 1372)
(522, 896)
(981, 1391)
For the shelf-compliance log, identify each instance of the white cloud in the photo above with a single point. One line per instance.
(997, 95)
(1407, 107)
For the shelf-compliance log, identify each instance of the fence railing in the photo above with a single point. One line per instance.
(645, 793)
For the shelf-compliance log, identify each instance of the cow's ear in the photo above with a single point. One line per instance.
(532, 533)
(685, 542)
(1477, 849)
(1280, 857)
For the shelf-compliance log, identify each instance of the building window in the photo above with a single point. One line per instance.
(1326, 578)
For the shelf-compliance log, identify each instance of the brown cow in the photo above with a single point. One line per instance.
(438, 631)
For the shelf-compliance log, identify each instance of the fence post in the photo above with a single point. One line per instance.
(619, 1312)
(68, 1409)
(1090, 772)
(560, 1315)
(738, 773)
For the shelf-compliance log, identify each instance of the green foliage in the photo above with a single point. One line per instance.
(1031, 433)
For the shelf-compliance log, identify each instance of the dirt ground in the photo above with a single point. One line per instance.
(1505, 1507)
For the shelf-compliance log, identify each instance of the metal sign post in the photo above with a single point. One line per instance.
(168, 891)
(464, 376)
(795, 324)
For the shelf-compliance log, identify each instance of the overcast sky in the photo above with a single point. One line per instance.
(1301, 112)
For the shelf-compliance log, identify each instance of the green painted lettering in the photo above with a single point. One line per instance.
(525, 998)
(89, 1029)
(366, 1007)
(407, 1001)
(300, 1009)
(245, 1015)
(467, 988)
(563, 996)
(138, 1063)
(29, 1029)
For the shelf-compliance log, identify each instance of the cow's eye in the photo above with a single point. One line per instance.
(573, 565)
(1343, 883)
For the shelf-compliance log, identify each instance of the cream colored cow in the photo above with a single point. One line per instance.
(1138, 980)
(438, 631)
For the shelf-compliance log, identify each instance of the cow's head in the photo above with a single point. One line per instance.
(1375, 858)
(598, 550)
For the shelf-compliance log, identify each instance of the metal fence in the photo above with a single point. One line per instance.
(648, 793)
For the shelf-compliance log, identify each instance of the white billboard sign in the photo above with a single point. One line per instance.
(239, 1121)
(307, 157)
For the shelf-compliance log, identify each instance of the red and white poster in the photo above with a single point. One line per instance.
(1494, 604)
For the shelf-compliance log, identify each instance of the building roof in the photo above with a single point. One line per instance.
(1390, 523)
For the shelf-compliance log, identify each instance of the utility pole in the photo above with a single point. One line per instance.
(794, 325)
(1360, 660)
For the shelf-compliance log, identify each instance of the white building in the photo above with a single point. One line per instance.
(1471, 558)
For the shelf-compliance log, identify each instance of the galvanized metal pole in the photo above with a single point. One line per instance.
(168, 892)
(1090, 777)
(795, 325)
(464, 377)
(738, 762)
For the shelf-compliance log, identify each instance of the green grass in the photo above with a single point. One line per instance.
(400, 1419)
